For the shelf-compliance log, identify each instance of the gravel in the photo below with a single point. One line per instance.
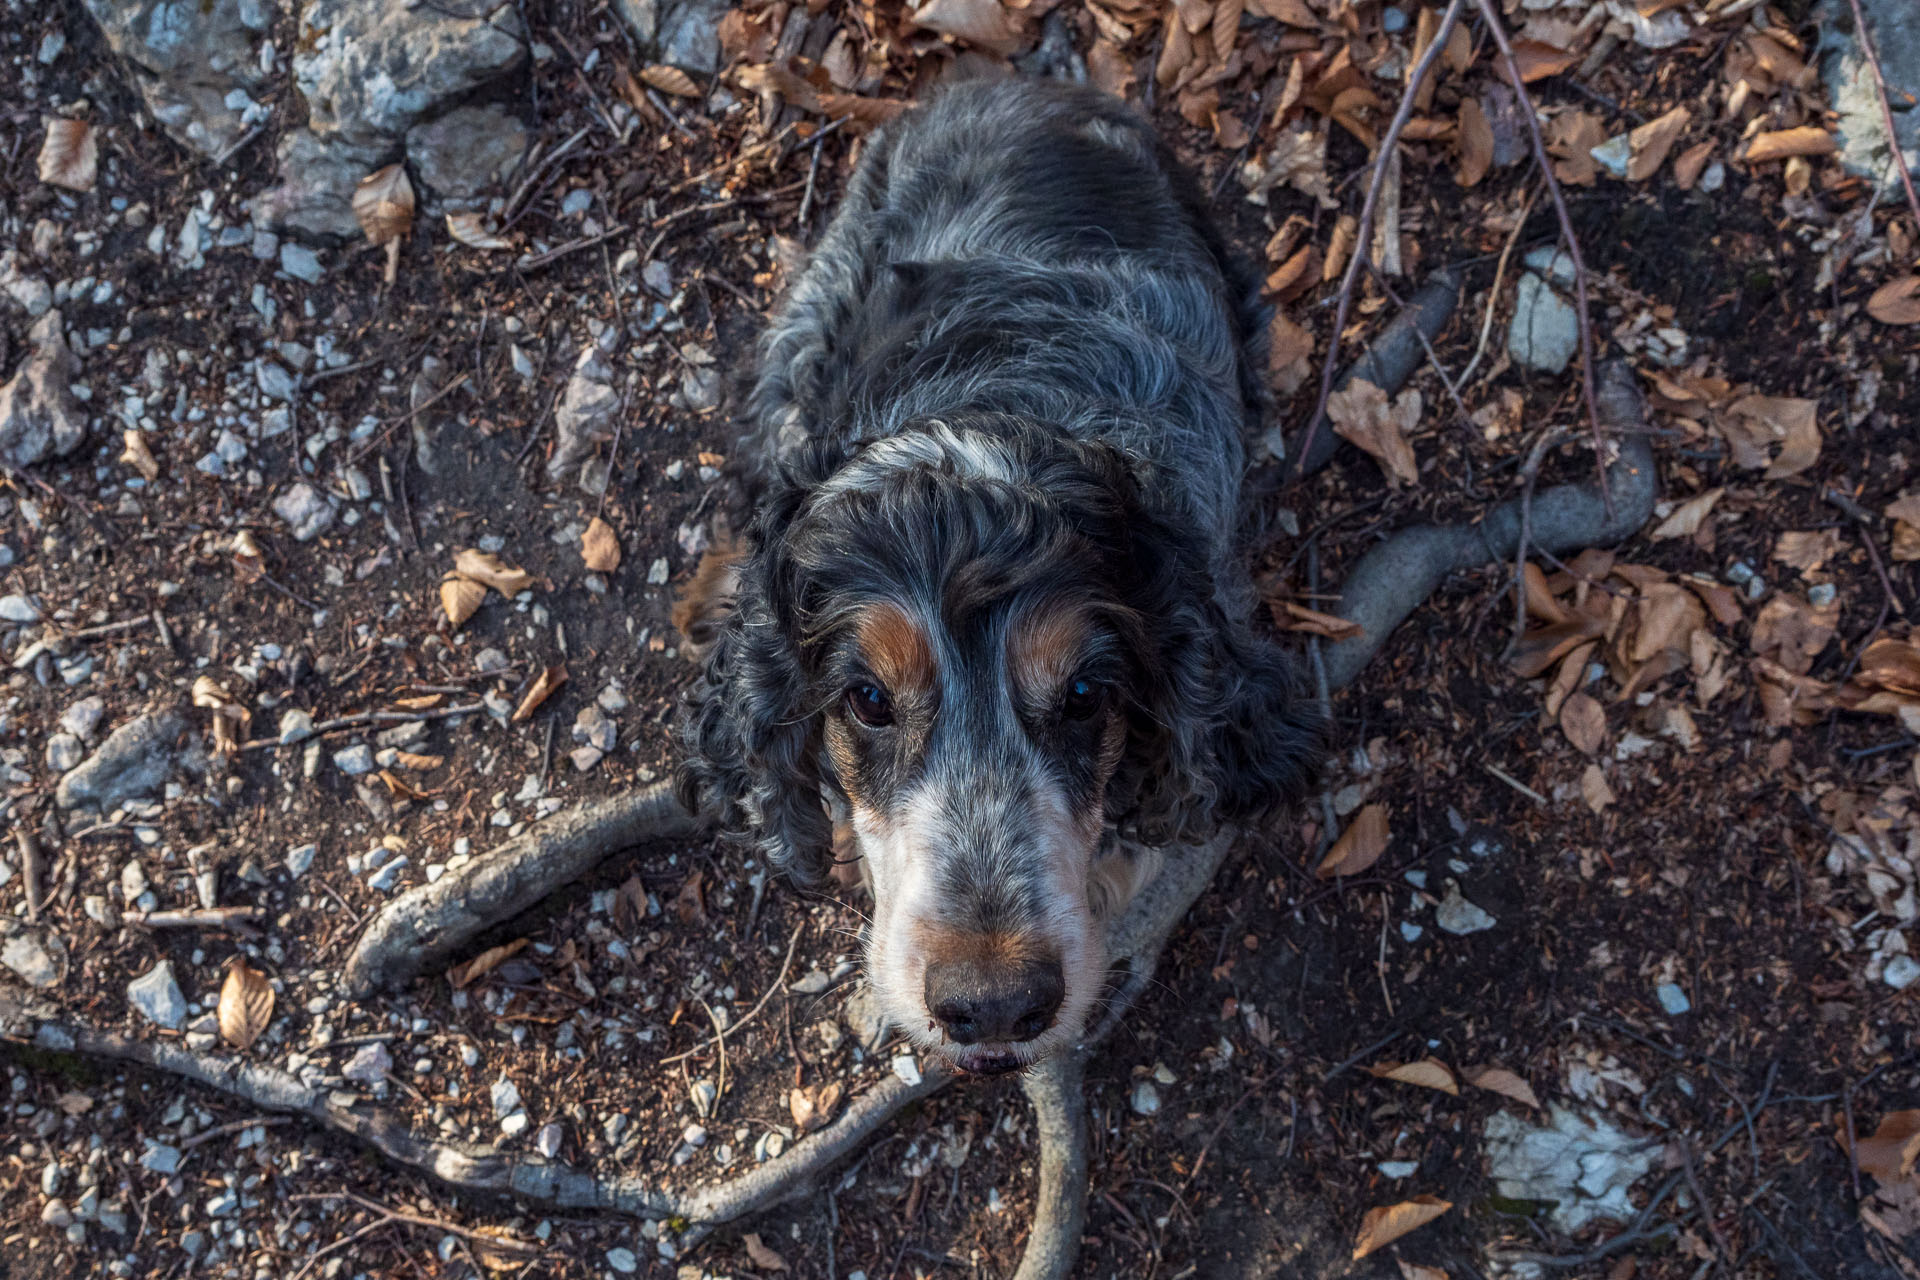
(306, 511)
(157, 996)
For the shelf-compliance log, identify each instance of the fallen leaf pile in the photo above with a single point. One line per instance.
(464, 590)
(1891, 1156)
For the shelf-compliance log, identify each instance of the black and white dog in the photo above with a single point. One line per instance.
(989, 617)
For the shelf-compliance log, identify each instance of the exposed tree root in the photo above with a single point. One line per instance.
(426, 925)
(1392, 579)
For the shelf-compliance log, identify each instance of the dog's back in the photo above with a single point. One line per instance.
(1021, 247)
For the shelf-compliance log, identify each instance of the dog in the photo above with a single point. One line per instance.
(988, 626)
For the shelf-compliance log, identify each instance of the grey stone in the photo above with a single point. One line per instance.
(1581, 1163)
(134, 760)
(296, 725)
(354, 760)
(1457, 916)
(1864, 147)
(39, 418)
(1901, 972)
(1146, 1098)
(64, 751)
(1545, 331)
(274, 381)
(300, 859)
(20, 609)
(157, 996)
(866, 1019)
(463, 153)
(315, 193)
(1672, 998)
(623, 1260)
(586, 413)
(306, 510)
(506, 1098)
(369, 1064)
(378, 69)
(301, 263)
(36, 955)
(547, 1141)
(685, 33)
(189, 58)
(83, 717)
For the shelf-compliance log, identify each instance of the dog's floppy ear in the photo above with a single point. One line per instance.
(1221, 730)
(752, 742)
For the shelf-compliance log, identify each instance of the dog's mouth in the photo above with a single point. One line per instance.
(985, 1061)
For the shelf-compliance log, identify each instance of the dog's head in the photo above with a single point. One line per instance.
(984, 652)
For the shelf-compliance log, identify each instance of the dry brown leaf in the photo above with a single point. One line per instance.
(813, 1107)
(1807, 550)
(1896, 302)
(137, 455)
(542, 688)
(491, 571)
(1807, 140)
(383, 204)
(246, 1005)
(230, 718)
(1475, 140)
(70, 156)
(1289, 355)
(495, 1249)
(1689, 164)
(748, 37)
(1890, 1154)
(460, 598)
(671, 80)
(1755, 422)
(1428, 1073)
(1359, 846)
(1686, 519)
(1538, 60)
(1362, 415)
(1584, 722)
(1595, 790)
(249, 562)
(1501, 1081)
(1382, 1226)
(1414, 1271)
(600, 546)
(762, 1258)
(1669, 615)
(416, 762)
(983, 24)
(1648, 145)
(1297, 617)
(690, 904)
(470, 229)
(1571, 138)
(1294, 276)
(74, 1103)
(464, 975)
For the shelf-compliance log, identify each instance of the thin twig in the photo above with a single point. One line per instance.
(196, 917)
(361, 718)
(779, 983)
(1493, 294)
(1585, 321)
(33, 865)
(1364, 235)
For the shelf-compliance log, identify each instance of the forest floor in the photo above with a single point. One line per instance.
(1663, 874)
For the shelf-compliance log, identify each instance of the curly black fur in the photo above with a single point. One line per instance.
(1015, 369)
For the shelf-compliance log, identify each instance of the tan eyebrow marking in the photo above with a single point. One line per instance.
(896, 648)
(1044, 647)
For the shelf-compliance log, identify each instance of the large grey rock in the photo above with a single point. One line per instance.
(316, 186)
(371, 71)
(684, 33)
(306, 510)
(36, 955)
(134, 760)
(1863, 130)
(463, 153)
(1582, 1162)
(189, 57)
(39, 418)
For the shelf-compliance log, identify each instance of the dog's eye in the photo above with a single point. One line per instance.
(1083, 699)
(870, 704)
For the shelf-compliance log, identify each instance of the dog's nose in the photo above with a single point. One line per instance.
(976, 1002)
